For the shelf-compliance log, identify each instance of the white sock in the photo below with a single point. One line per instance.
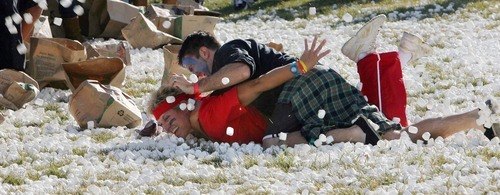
(404, 57)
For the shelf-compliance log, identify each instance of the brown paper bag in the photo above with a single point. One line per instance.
(41, 29)
(122, 12)
(91, 52)
(47, 54)
(186, 24)
(143, 33)
(120, 50)
(163, 16)
(105, 105)
(16, 88)
(113, 30)
(163, 10)
(172, 64)
(108, 71)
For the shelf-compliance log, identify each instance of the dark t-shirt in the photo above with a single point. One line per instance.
(260, 59)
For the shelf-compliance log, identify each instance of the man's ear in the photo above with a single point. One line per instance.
(204, 52)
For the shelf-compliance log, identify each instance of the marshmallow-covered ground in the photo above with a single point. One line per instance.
(44, 151)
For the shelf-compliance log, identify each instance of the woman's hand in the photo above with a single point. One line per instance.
(311, 56)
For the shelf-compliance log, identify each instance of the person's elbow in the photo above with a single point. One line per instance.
(243, 72)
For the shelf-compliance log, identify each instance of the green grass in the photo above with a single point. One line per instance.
(373, 183)
(250, 161)
(80, 151)
(341, 7)
(102, 137)
(215, 161)
(283, 161)
(14, 179)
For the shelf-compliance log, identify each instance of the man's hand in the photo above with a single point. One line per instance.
(182, 83)
(311, 56)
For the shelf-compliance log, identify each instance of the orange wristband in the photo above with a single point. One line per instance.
(302, 71)
(196, 88)
(303, 65)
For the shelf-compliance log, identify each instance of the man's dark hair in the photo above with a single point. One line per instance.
(194, 41)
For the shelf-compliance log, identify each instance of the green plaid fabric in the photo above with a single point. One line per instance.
(323, 88)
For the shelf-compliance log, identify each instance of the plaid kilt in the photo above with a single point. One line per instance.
(323, 88)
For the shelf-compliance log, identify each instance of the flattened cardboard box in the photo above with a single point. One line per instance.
(108, 71)
(16, 88)
(105, 105)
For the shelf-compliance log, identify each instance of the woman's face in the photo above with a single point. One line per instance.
(175, 121)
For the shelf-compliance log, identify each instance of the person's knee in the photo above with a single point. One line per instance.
(266, 143)
(392, 135)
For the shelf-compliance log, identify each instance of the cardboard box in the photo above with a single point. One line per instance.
(105, 105)
(185, 25)
(108, 71)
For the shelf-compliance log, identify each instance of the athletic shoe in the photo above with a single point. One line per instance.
(414, 45)
(372, 135)
(364, 40)
(494, 130)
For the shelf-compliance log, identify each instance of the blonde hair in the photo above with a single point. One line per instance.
(158, 96)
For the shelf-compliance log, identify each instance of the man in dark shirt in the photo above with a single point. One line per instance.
(13, 33)
(235, 62)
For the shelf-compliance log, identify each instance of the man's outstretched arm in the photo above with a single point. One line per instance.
(249, 91)
(234, 72)
(229, 75)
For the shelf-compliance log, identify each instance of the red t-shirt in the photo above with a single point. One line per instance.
(217, 113)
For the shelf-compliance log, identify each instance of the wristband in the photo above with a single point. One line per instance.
(303, 65)
(196, 88)
(294, 69)
(302, 71)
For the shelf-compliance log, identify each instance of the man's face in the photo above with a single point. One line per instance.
(197, 66)
(176, 122)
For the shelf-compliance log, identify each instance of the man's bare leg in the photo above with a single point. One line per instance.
(351, 134)
(441, 126)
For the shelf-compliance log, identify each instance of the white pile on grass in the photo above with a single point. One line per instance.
(43, 151)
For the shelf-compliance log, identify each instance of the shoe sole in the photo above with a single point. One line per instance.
(362, 36)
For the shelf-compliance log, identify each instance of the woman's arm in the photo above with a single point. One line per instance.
(249, 91)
